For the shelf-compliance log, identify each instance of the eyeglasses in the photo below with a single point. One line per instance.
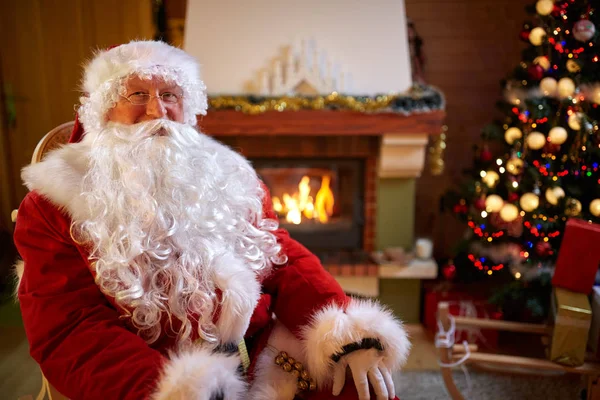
(141, 98)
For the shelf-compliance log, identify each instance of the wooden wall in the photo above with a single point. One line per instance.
(45, 43)
(469, 45)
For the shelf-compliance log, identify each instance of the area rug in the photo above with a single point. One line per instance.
(426, 385)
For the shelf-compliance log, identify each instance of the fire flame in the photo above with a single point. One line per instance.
(301, 203)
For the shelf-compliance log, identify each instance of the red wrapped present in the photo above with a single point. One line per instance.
(578, 257)
(464, 305)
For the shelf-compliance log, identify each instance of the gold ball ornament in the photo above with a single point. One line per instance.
(595, 207)
(514, 166)
(491, 178)
(553, 195)
(573, 66)
(558, 135)
(512, 134)
(287, 367)
(548, 86)
(566, 87)
(575, 121)
(543, 62)
(529, 202)
(573, 207)
(536, 36)
(544, 7)
(509, 212)
(493, 203)
(536, 140)
(596, 94)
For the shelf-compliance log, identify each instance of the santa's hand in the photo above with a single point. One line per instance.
(366, 367)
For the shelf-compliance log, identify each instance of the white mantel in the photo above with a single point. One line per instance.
(235, 39)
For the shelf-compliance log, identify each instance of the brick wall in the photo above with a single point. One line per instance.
(469, 46)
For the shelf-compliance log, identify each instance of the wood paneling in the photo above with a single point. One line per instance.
(49, 41)
(469, 45)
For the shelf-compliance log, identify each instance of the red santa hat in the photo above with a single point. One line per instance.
(104, 76)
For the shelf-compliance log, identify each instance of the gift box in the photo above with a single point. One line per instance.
(465, 305)
(572, 317)
(578, 257)
(594, 337)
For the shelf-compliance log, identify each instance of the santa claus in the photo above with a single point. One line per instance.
(153, 261)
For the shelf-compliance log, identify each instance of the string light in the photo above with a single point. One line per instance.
(478, 263)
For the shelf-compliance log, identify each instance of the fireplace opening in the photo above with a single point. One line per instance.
(318, 201)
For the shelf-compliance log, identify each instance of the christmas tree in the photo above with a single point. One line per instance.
(538, 166)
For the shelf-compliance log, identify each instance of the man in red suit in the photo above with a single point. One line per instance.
(150, 252)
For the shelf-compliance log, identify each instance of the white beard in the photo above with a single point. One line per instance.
(169, 207)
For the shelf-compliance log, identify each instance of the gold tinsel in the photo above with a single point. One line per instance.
(295, 103)
(333, 100)
(436, 153)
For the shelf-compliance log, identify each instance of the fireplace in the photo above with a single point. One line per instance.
(320, 201)
(298, 153)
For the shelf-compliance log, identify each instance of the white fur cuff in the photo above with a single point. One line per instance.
(332, 328)
(201, 374)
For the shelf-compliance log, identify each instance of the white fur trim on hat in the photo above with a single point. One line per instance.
(332, 328)
(103, 76)
(201, 375)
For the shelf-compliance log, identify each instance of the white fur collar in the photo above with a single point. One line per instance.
(59, 176)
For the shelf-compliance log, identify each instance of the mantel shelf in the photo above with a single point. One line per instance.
(319, 123)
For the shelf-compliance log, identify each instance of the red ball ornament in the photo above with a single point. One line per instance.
(524, 35)
(449, 271)
(551, 148)
(486, 155)
(543, 249)
(535, 72)
(512, 197)
(479, 204)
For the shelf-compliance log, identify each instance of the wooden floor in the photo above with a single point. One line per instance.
(20, 376)
(19, 373)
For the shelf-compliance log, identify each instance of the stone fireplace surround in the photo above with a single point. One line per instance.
(392, 145)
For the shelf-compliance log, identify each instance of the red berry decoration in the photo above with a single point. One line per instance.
(543, 249)
(449, 271)
(535, 72)
(479, 204)
(512, 197)
(486, 155)
(551, 148)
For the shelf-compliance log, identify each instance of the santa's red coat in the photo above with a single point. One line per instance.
(76, 333)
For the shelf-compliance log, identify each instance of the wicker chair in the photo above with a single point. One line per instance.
(53, 139)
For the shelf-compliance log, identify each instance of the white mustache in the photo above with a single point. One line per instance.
(145, 129)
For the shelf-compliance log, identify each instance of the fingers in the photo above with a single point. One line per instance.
(378, 384)
(361, 383)
(339, 377)
(389, 383)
